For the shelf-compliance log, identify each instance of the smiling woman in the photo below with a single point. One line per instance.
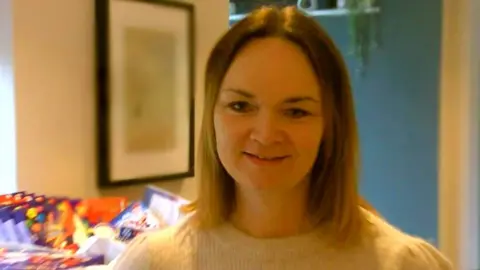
(270, 130)
(278, 164)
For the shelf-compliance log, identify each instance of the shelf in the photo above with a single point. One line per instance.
(319, 13)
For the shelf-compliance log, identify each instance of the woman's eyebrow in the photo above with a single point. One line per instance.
(300, 99)
(240, 92)
(295, 99)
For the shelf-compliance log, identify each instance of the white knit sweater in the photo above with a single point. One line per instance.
(184, 248)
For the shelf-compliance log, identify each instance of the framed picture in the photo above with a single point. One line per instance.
(145, 91)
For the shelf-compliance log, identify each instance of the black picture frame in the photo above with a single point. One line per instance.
(107, 90)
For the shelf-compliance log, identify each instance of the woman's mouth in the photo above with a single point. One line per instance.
(263, 159)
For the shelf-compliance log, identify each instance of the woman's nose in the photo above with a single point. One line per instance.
(266, 129)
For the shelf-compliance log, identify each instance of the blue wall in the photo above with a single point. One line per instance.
(397, 110)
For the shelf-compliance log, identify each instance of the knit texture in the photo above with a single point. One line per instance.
(183, 247)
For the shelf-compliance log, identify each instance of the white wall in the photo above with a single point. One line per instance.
(7, 102)
(459, 133)
(54, 87)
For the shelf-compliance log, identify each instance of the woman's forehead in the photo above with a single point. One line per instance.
(272, 66)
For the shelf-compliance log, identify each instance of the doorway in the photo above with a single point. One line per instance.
(459, 133)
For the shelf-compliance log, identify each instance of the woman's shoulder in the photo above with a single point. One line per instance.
(173, 235)
(403, 251)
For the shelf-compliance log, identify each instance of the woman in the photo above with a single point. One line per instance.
(278, 164)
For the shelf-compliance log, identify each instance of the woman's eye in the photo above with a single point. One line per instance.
(239, 106)
(297, 113)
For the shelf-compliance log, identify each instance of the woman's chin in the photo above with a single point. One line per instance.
(265, 183)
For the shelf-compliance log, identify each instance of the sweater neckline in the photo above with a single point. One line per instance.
(277, 248)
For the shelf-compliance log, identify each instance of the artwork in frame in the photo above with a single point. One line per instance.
(145, 91)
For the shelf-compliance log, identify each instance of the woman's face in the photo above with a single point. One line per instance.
(268, 116)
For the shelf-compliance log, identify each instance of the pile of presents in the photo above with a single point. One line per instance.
(44, 232)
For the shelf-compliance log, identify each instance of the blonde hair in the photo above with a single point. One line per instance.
(333, 197)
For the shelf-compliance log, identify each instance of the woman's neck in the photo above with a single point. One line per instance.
(270, 214)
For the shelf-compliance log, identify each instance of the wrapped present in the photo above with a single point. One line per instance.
(165, 205)
(56, 222)
(135, 219)
(11, 258)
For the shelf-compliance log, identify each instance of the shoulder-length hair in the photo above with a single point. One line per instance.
(333, 198)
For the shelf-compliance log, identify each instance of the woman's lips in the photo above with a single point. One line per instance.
(264, 160)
